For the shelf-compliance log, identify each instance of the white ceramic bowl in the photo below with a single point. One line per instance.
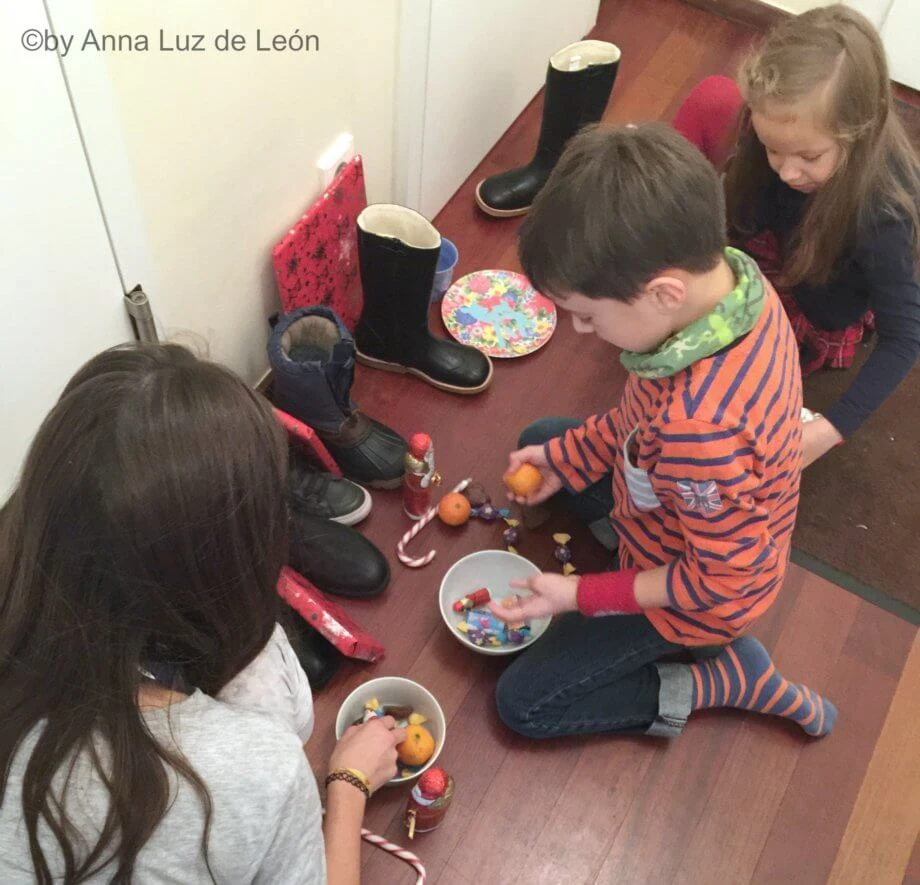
(398, 692)
(495, 569)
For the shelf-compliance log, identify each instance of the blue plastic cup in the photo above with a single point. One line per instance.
(447, 261)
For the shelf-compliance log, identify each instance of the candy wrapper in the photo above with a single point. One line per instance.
(511, 536)
(482, 506)
(563, 553)
(484, 628)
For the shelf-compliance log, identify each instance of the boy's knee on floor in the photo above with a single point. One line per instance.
(539, 432)
(512, 709)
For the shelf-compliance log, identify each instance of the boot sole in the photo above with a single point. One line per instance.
(357, 515)
(398, 369)
(497, 213)
(380, 483)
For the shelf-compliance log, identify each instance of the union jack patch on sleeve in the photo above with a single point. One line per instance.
(702, 497)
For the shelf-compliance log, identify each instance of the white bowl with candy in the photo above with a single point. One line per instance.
(465, 592)
(413, 707)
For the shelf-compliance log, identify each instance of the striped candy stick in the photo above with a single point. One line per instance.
(418, 562)
(397, 851)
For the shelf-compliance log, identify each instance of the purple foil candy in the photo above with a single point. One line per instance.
(487, 512)
(511, 536)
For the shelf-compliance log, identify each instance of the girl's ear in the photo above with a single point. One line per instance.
(666, 293)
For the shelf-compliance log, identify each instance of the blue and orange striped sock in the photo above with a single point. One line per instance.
(744, 677)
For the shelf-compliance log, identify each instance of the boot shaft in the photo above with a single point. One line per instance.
(312, 356)
(398, 255)
(579, 80)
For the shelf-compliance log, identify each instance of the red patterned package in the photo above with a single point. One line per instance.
(306, 436)
(329, 619)
(316, 263)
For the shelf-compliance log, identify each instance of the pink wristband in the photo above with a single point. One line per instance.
(608, 593)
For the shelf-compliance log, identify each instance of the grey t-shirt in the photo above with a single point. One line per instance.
(266, 824)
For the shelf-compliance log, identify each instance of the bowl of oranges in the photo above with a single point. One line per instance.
(492, 570)
(413, 707)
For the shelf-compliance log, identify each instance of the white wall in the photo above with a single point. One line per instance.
(874, 10)
(60, 296)
(203, 160)
(484, 63)
(897, 20)
(899, 33)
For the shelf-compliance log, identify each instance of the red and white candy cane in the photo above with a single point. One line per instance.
(418, 562)
(397, 851)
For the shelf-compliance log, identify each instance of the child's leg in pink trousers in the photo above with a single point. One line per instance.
(708, 117)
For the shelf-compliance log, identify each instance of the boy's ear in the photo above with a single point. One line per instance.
(667, 293)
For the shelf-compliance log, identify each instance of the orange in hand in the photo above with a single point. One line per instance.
(418, 746)
(524, 481)
(454, 509)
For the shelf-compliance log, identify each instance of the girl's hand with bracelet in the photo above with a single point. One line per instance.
(363, 760)
(369, 749)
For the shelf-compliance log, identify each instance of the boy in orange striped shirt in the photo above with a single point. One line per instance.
(695, 475)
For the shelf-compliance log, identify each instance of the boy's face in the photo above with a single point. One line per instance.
(639, 326)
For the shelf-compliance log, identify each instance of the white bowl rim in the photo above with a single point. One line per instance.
(480, 649)
(439, 744)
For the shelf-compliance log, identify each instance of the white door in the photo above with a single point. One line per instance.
(466, 71)
(60, 294)
(899, 33)
(205, 156)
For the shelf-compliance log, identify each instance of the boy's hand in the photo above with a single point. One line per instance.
(550, 484)
(551, 595)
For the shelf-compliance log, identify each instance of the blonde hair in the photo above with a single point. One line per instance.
(836, 54)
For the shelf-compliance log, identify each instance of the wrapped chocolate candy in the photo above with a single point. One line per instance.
(429, 800)
(563, 553)
(476, 494)
(511, 536)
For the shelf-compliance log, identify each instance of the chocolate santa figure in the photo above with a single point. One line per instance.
(419, 477)
(429, 800)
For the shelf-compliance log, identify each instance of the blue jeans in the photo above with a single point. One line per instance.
(593, 675)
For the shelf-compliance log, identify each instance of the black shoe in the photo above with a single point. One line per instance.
(398, 255)
(335, 558)
(324, 495)
(312, 356)
(579, 80)
(318, 657)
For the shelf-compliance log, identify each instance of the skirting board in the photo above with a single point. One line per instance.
(752, 13)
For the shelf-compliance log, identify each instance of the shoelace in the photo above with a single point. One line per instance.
(311, 487)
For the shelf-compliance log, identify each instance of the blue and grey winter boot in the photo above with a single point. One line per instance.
(312, 356)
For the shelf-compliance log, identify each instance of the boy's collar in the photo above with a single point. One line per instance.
(733, 317)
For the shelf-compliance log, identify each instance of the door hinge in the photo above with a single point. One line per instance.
(138, 306)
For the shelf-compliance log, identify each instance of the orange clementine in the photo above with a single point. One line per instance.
(454, 509)
(418, 746)
(524, 481)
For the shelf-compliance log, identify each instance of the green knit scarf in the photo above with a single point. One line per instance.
(734, 316)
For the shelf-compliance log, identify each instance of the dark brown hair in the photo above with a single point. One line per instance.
(621, 205)
(833, 56)
(148, 528)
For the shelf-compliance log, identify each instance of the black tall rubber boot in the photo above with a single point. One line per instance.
(398, 254)
(579, 80)
(312, 356)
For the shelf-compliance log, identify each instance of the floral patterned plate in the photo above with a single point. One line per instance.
(499, 313)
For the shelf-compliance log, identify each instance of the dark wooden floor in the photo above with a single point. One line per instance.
(736, 798)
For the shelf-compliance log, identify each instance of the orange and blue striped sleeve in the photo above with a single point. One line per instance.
(709, 476)
(584, 454)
